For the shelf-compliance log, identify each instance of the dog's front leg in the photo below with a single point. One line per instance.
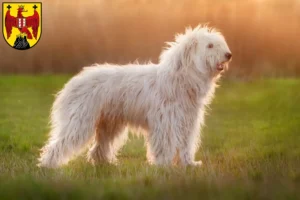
(187, 155)
(161, 145)
(188, 142)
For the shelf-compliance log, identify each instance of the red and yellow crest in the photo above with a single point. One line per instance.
(22, 24)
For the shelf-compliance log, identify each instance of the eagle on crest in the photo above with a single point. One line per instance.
(22, 23)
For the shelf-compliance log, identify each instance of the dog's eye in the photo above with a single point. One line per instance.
(210, 45)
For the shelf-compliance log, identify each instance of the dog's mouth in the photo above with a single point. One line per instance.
(221, 66)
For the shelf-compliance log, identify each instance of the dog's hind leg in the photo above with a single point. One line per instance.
(110, 136)
(64, 144)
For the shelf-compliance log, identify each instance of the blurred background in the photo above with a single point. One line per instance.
(264, 35)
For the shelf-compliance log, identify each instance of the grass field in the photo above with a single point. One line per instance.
(250, 148)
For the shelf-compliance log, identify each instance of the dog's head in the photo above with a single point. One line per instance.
(215, 52)
(201, 49)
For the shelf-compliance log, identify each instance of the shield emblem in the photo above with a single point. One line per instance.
(22, 24)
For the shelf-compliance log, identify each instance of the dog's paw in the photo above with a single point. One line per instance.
(196, 163)
(96, 161)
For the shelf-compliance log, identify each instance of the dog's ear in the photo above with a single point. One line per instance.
(186, 57)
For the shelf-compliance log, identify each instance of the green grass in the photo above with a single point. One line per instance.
(250, 148)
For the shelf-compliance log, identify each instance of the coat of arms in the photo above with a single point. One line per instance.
(22, 24)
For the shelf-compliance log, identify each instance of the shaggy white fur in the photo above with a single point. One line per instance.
(167, 100)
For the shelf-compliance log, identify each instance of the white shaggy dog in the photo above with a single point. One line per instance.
(167, 100)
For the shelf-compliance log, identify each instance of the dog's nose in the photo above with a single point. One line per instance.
(228, 56)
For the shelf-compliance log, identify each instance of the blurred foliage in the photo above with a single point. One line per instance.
(262, 34)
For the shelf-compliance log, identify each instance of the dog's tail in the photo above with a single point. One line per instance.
(73, 118)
